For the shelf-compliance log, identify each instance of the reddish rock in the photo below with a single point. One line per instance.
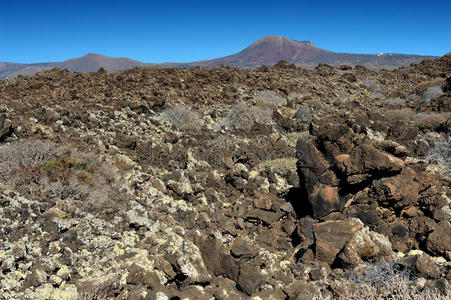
(332, 236)
(324, 199)
(400, 190)
(439, 241)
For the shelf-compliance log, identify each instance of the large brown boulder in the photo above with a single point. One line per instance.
(340, 168)
(318, 180)
(349, 172)
(365, 244)
(439, 241)
(332, 236)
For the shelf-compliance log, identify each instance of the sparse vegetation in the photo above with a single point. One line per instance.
(22, 161)
(243, 116)
(269, 99)
(440, 153)
(182, 117)
(397, 101)
(296, 96)
(385, 281)
(375, 88)
(304, 114)
(420, 116)
(295, 136)
(434, 121)
(107, 191)
(430, 94)
(280, 165)
(43, 169)
(396, 116)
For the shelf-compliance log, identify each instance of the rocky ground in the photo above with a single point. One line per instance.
(226, 183)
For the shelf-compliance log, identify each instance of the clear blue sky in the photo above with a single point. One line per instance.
(182, 31)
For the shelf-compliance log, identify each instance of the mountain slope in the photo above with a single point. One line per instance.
(92, 62)
(266, 51)
(89, 63)
(271, 49)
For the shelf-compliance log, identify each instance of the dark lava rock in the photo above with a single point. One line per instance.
(250, 278)
(242, 249)
(139, 275)
(439, 241)
(5, 126)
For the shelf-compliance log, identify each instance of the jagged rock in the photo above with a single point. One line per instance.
(371, 160)
(140, 275)
(226, 290)
(267, 217)
(427, 267)
(212, 212)
(327, 184)
(398, 191)
(270, 295)
(301, 290)
(215, 258)
(321, 185)
(35, 278)
(98, 284)
(250, 278)
(320, 272)
(193, 292)
(187, 261)
(442, 285)
(419, 283)
(243, 249)
(439, 240)
(5, 126)
(365, 244)
(442, 214)
(305, 232)
(124, 162)
(332, 236)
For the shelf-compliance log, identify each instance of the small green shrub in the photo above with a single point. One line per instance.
(45, 170)
(22, 161)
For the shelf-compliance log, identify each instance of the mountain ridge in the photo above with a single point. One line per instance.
(267, 50)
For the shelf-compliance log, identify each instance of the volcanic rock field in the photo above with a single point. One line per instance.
(225, 183)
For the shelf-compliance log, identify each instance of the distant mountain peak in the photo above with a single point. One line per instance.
(280, 40)
(91, 62)
(268, 50)
(93, 55)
